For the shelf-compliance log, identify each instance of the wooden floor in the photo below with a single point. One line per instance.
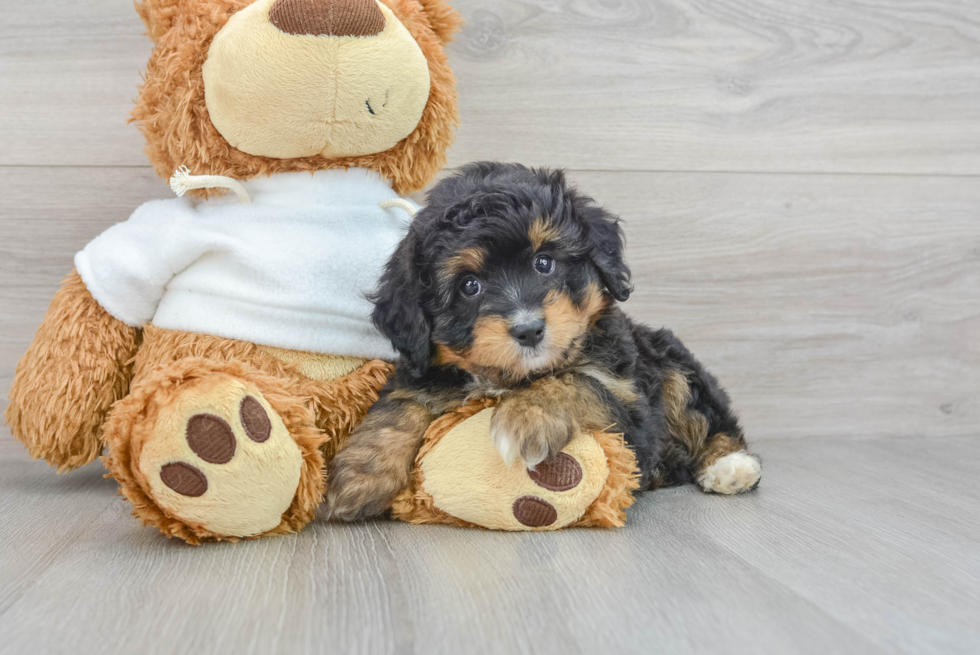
(858, 546)
(800, 185)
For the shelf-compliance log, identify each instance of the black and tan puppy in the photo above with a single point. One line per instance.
(506, 285)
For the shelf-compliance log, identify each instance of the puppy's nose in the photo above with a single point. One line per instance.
(529, 334)
(327, 17)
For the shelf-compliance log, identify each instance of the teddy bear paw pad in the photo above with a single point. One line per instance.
(211, 439)
(223, 460)
(558, 473)
(184, 479)
(256, 422)
(534, 512)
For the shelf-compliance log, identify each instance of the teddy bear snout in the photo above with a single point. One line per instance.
(327, 17)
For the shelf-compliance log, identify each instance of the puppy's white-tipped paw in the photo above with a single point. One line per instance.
(505, 444)
(732, 474)
(521, 429)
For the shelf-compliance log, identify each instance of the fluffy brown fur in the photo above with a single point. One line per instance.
(443, 19)
(543, 417)
(173, 117)
(77, 366)
(382, 458)
(690, 427)
(609, 509)
(338, 404)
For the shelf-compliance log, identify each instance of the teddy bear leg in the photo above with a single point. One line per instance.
(461, 479)
(216, 450)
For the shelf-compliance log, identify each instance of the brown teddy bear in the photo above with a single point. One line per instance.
(219, 346)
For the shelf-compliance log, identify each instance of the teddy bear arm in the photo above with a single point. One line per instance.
(78, 364)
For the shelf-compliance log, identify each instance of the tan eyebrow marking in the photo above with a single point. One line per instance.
(468, 259)
(542, 231)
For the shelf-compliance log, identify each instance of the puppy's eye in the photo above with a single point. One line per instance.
(471, 287)
(544, 264)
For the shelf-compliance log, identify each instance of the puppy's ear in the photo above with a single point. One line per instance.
(398, 312)
(606, 245)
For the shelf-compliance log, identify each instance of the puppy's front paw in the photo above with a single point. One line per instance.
(523, 428)
(358, 488)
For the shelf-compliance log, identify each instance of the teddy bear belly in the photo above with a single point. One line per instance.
(317, 366)
(161, 346)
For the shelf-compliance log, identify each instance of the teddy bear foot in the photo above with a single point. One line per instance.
(461, 479)
(216, 450)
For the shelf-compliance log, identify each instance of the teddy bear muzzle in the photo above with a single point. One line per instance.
(305, 78)
(327, 17)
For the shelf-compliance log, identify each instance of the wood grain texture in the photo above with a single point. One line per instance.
(736, 85)
(828, 305)
(868, 553)
(69, 72)
(733, 85)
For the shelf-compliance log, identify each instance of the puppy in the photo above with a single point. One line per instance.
(506, 285)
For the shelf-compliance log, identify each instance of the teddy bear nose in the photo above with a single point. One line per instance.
(327, 17)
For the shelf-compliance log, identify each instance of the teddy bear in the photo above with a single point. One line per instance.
(217, 347)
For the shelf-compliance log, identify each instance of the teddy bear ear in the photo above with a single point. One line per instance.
(445, 20)
(158, 16)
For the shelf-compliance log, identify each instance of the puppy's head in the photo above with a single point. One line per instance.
(501, 274)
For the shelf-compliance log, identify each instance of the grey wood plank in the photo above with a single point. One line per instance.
(44, 514)
(738, 85)
(829, 305)
(824, 558)
(848, 529)
(745, 85)
(69, 72)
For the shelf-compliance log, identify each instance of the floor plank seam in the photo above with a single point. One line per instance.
(643, 171)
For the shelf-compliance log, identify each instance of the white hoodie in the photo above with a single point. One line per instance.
(289, 269)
